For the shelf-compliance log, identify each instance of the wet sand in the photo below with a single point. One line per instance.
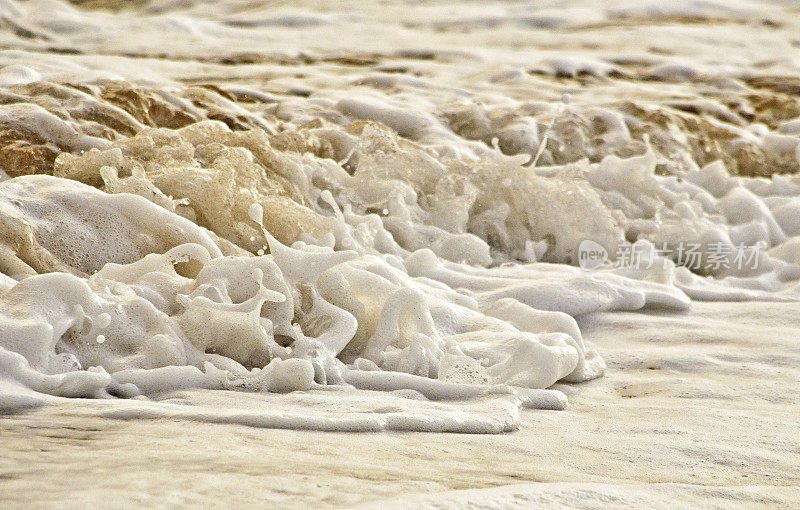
(696, 409)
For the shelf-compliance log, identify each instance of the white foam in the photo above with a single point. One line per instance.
(413, 232)
(382, 314)
(221, 319)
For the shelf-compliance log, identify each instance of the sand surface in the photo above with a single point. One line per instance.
(700, 407)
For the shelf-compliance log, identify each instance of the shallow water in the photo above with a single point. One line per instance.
(389, 217)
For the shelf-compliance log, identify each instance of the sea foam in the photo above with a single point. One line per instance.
(411, 232)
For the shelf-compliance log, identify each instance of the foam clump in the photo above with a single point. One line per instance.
(50, 224)
(299, 316)
(328, 257)
(212, 174)
(403, 289)
(35, 121)
(396, 196)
